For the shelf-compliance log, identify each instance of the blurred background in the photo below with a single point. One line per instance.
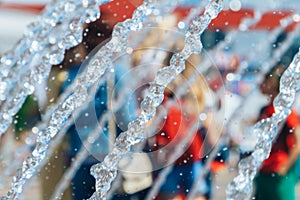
(229, 90)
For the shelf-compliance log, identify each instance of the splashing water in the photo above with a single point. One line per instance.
(267, 65)
(95, 70)
(43, 45)
(106, 171)
(241, 186)
(204, 66)
(83, 153)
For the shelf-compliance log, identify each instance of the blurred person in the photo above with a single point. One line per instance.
(277, 176)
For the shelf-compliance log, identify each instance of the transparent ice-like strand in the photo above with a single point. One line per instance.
(79, 159)
(241, 186)
(45, 118)
(11, 61)
(106, 171)
(58, 28)
(179, 151)
(50, 109)
(95, 70)
(77, 162)
(266, 66)
(165, 172)
(228, 39)
(151, 129)
(42, 126)
(83, 152)
(46, 50)
(115, 105)
(60, 135)
(268, 63)
(62, 98)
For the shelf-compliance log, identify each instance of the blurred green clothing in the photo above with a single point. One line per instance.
(27, 116)
(276, 187)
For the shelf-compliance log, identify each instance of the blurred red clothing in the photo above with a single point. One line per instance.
(175, 129)
(283, 143)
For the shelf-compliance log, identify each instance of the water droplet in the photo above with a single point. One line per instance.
(181, 25)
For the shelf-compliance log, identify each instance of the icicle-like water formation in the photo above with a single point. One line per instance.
(84, 152)
(241, 186)
(203, 67)
(267, 65)
(95, 70)
(42, 126)
(106, 171)
(59, 28)
(164, 173)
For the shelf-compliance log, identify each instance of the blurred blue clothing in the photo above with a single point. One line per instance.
(181, 180)
(87, 121)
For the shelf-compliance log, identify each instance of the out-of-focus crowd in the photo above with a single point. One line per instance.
(202, 110)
